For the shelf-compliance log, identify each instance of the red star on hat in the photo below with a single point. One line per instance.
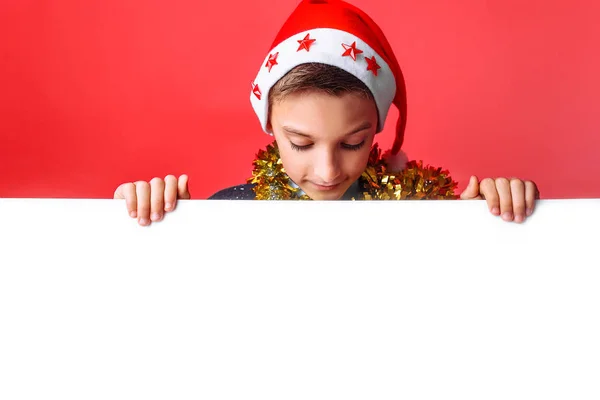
(373, 66)
(306, 43)
(351, 50)
(272, 61)
(256, 91)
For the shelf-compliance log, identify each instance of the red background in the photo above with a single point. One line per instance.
(99, 92)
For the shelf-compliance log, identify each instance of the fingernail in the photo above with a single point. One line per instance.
(143, 221)
(529, 211)
(168, 206)
(507, 216)
(518, 218)
(133, 214)
(155, 216)
(496, 211)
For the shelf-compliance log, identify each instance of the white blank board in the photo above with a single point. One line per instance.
(299, 300)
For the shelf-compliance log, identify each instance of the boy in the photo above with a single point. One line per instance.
(323, 92)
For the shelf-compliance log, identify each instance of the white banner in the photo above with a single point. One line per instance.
(299, 300)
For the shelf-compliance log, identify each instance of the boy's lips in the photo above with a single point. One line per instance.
(326, 187)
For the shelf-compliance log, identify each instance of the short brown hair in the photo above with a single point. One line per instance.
(317, 77)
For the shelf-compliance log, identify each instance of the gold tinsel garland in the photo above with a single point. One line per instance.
(415, 182)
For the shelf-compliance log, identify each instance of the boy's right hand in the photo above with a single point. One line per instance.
(148, 201)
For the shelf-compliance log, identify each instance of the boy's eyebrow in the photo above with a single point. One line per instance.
(295, 131)
(362, 127)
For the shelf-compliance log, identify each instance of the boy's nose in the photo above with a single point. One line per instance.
(327, 169)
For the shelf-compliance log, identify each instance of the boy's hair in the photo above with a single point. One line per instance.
(317, 77)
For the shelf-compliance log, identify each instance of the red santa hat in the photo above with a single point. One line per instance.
(336, 33)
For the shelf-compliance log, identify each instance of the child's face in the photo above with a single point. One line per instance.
(324, 141)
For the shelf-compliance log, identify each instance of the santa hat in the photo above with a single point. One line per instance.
(336, 33)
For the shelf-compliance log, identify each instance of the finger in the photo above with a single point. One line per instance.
(531, 194)
(506, 204)
(517, 189)
(157, 199)
(472, 190)
(127, 191)
(118, 195)
(170, 192)
(142, 190)
(182, 187)
(488, 191)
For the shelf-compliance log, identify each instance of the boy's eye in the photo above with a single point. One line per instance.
(353, 146)
(299, 148)
(344, 145)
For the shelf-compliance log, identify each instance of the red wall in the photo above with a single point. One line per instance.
(98, 92)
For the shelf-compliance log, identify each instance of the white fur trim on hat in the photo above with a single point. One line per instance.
(395, 163)
(326, 49)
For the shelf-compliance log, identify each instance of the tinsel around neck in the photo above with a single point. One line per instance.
(415, 181)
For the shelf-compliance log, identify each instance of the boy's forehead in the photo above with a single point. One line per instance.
(318, 115)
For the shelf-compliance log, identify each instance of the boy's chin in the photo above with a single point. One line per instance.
(325, 196)
(334, 194)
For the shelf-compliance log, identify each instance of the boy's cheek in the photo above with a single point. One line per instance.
(292, 167)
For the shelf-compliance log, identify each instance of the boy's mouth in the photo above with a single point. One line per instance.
(327, 187)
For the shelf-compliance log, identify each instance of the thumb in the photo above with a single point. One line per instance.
(472, 190)
(182, 188)
(119, 192)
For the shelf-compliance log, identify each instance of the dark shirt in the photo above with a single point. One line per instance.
(239, 192)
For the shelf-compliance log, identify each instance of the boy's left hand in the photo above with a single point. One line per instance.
(514, 199)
